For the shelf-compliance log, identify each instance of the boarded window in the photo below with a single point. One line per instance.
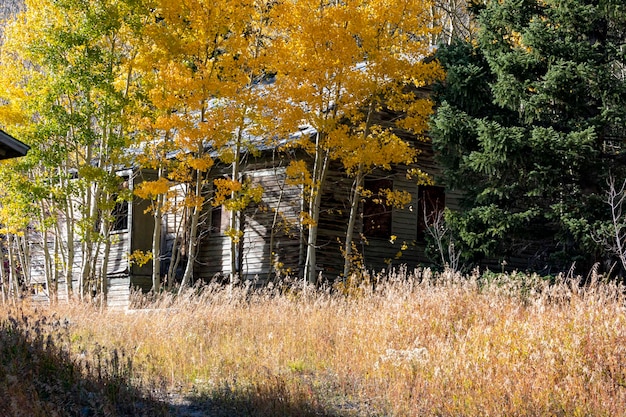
(431, 201)
(376, 212)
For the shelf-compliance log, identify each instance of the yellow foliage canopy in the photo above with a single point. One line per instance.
(149, 190)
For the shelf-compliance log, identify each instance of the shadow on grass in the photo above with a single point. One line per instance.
(39, 377)
(268, 401)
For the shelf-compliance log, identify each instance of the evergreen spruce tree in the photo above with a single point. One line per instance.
(531, 122)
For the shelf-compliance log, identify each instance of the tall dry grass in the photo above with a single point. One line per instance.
(411, 344)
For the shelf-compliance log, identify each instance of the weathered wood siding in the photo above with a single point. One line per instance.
(174, 222)
(384, 252)
(118, 253)
(274, 219)
(121, 275)
(277, 213)
(333, 223)
(213, 258)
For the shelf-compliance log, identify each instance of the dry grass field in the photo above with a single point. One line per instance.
(406, 344)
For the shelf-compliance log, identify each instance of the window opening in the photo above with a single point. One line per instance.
(120, 211)
(376, 212)
(220, 220)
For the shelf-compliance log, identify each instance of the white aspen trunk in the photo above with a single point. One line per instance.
(354, 209)
(47, 265)
(157, 231)
(355, 197)
(320, 168)
(86, 208)
(23, 253)
(174, 257)
(234, 246)
(54, 263)
(3, 279)
(47, 260)
(192, 245)
(193, 239)
(60, 256)
(302, 245)
(310, 272)
(13, 278)
(272, 254)
(234, 221)
(70, 251)
(104, 279)
(90, 248)
(156, 241)
(94, 279)
(84, 269)
(103, 286)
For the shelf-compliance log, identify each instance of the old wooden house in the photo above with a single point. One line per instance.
(273, 241)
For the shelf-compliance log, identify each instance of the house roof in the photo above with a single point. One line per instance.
(11, 147)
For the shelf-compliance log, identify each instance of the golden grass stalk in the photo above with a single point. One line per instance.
(404, 344)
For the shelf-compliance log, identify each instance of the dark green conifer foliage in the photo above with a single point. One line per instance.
(531, 121)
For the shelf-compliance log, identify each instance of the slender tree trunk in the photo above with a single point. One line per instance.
(49, 269)
(174, 257)
(354, 211)
(13, 276)
(192, 246)
(47, 266)
(320, 169)
(3, 277)
(23, 253)
(193, 235)
(241, 224)
(70, 250)
(47, 259)
(70, 254)
(156, 240)
(85, 270)
(234, 223)
(91, 249)
(359, 178)
(54, 263)
(60, 257)
(86, 248)
(103, 286)
(97, 278)
(156, 245)
(302, 234)
(104, 278)
(272, 254)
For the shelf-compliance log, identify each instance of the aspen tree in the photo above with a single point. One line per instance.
(336, 63)
(180, 64)
(66, 66)
(15, 208)
(209, 57)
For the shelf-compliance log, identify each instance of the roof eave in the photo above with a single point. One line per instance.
(11, 147)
